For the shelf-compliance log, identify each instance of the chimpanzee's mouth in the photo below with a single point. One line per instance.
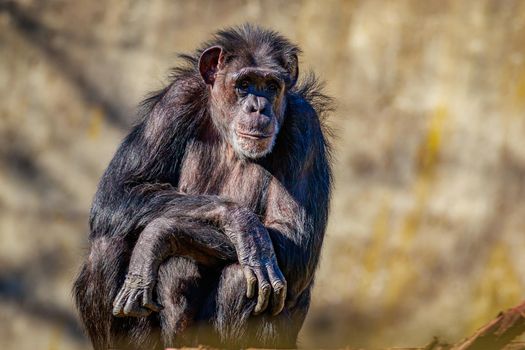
(253, 136)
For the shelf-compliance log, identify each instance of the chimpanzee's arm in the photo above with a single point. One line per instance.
(186, 229)
(296, 229)
(136, 193)
(297, 212)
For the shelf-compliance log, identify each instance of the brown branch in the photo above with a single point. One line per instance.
(498, 333)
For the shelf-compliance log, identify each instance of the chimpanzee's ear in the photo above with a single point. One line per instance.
(210, 62)
(293, 68)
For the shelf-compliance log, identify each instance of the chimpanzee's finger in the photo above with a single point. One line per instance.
(279, 289)
(132, 306)
(139, 311)
(264, 293)
(147, 301)
(128, 301)
(251, 282)
(118, 302)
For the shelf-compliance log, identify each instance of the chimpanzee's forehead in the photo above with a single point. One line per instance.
(265, 64)
(259, 72)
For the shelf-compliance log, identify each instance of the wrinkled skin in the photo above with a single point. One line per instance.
(247, 105)
(208, 223)
(247, 102)
(254, 251)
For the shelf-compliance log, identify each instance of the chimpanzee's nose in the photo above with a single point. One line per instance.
(255, 104)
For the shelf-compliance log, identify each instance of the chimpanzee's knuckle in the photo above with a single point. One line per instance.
(278, 286)
(265, 287)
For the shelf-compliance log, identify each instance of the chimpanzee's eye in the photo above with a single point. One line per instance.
(245, 84)
(272, 87)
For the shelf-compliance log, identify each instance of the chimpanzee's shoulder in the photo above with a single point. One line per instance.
(309, 103)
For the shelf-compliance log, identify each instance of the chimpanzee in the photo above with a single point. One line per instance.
(208, 223)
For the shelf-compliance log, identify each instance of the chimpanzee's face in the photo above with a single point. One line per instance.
(247, 105)
(250, 101)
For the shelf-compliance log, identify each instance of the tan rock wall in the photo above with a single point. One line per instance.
(428, 216)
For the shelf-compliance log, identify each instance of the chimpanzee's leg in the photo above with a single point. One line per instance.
(99, 282)
(179, 291)
(97, 285)
(229, 314)
(181, 288)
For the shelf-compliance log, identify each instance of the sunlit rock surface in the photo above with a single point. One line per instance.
(427, 226)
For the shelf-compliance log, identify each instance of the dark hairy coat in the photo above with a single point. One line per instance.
(175, 160)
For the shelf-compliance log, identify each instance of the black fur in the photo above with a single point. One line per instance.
(206, 303)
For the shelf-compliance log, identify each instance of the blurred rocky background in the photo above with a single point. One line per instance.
(426, 236)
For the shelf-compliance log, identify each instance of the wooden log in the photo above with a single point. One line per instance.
(498, 333)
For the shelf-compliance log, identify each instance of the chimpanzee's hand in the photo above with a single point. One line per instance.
(135, 297)
(257, 258)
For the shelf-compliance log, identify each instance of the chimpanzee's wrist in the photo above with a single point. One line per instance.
(139, 280)
(144, 262)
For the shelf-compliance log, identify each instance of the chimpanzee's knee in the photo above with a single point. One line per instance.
(180, 291)
(95, 289)
(237, 327)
